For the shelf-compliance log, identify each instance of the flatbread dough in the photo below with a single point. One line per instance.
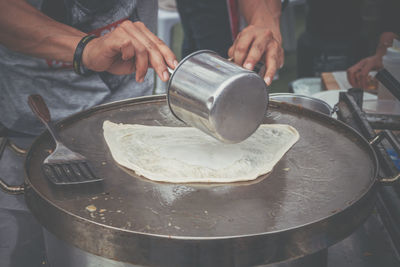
(187, 155)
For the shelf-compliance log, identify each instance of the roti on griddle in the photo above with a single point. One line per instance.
(187, 155)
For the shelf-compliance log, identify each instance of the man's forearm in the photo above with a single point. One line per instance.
(264, 13)
(25, 29)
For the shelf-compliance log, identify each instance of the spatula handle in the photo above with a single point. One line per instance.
(41, 110)
(39, 107)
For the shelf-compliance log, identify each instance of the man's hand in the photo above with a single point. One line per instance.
(261, 40)
(130, 47)
(358, 74)
(254, 44)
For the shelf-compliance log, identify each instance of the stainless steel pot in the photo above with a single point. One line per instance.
(217, 96)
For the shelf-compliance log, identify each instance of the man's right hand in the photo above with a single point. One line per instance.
(131, 47)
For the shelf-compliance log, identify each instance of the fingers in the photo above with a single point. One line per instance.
(127, 53)
(141, 62)
(159, 55)
(371, 63)
(156, 58)
(255, 54)
(351, 75)
(254, 44)
(260, 45)
(358, 79)
(132, 47)
(357, 75)
(168, 55)
(281, 56)
(241, 48)
(132, 31)
(230, 51)
(127, 50)
(272, 64)
(364, 77)
(101, 53)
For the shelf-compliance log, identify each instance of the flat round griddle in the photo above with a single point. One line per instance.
(320, 191)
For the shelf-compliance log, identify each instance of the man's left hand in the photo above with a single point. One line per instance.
(254, 44)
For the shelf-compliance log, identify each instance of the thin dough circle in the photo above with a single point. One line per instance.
(186, 155)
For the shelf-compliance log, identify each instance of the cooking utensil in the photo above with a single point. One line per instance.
(331, 97)
(303, 101)
(389, 81)
(217, 96)
(319, 193)
(63, 166)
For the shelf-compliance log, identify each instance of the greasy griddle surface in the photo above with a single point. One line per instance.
(327, 170)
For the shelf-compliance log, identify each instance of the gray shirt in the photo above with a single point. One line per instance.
(64, 91)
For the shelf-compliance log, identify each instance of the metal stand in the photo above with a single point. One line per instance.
(318, 259)
(388, 204)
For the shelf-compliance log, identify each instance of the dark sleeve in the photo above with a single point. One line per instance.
(391, 16)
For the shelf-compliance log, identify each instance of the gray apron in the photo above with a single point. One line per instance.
(21, 237)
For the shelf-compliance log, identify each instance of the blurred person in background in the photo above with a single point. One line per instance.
(358, 74)
(333, 39)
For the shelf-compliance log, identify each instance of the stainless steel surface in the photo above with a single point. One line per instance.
(303, 101)
(10, 189)
(16, 148)
(313, 198)
(63, 166)
(384, 121)
(217, 96)
(61, 254)
(388, 204)
(385, 134)
(389, 81)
